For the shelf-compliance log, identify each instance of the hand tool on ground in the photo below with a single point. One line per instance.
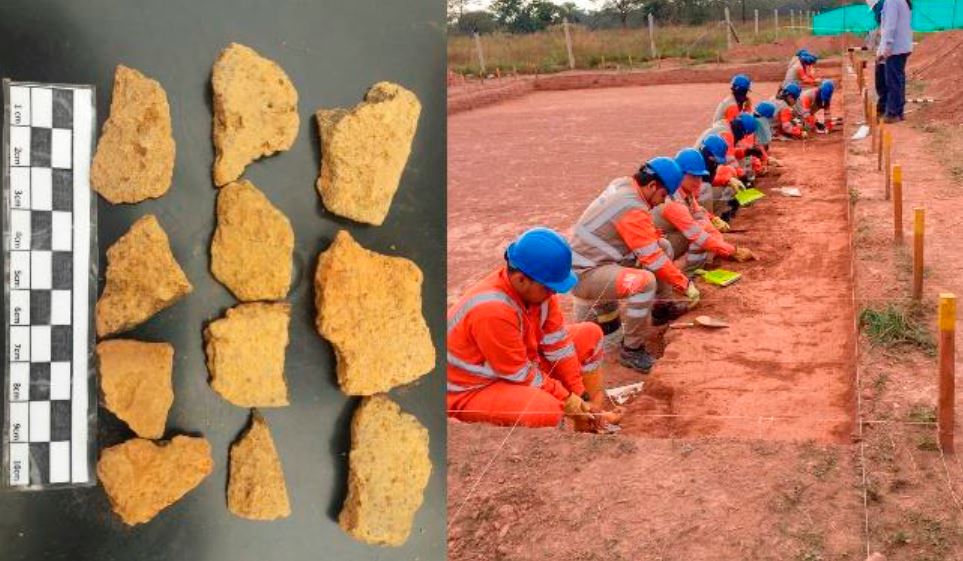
(702, 321)
(719, 277)
(748, 196)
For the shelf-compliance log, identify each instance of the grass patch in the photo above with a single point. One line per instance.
(922, 414)
(545, 51)
(897, 326)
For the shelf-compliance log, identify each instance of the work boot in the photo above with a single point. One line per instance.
(636, 359)
(668, 310)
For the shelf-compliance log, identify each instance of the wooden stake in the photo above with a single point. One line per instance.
(898, 203)
(568, 44)
(775, 19)
(945, 416)
(887, 159)
(756, 16)
(879, 149)
(918, 224)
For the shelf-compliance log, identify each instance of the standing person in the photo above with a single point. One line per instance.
(620, 255)
(872, 43)
(895, 46)
(511, 356)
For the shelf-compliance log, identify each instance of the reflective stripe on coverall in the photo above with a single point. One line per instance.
(506, 358)
(728, 109)
(688, 235)
(807, 106)
(618, 254)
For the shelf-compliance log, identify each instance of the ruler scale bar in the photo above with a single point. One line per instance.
(48, 436)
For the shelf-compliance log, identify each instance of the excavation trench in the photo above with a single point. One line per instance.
(784, 369)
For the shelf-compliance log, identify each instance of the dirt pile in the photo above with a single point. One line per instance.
(938, 61)
(824, 46)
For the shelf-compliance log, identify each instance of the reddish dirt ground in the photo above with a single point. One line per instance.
(794, 383)
(543, 494)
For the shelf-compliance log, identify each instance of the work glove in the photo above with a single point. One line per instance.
(737, 185)
(575, 406)
(692, 293)
(719, 224)
(803, 135)
(743, 254)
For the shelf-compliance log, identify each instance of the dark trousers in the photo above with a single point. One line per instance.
(896, 84)
(880, 88)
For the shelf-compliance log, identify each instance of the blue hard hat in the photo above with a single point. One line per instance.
(766, 109)
(717, 146)
(826, 90)
(808, 58)
(667, 171)
(545, 257)
(748, 122)
(793, 89)
(741, 82)
(691, 162)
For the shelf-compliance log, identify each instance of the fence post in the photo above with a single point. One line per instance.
(947, 352)
(481, 55)
(918, 228)
(775, 19)
(887, 161)
(755, 14)
(652, 36)
(568, 44)
(898, 203)
(728, 30)
(792, 19)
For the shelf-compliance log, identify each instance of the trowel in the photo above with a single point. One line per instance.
(702, 321)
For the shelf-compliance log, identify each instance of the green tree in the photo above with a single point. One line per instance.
(623, 8)
(475, 21)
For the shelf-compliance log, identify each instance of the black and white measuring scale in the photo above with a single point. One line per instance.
(50, 273)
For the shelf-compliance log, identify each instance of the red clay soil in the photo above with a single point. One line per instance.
(915, 493)
(566, 496)
(783, 370)
(465, 94)
(938, 61)
(824, 46)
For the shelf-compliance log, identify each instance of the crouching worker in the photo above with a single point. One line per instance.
(690, 229)
(511, 357)
(784, 120)
(811, 102)
(620, 256)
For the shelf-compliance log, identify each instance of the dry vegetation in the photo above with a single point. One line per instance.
(544, 51)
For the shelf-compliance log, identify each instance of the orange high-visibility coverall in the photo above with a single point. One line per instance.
(701, 234)
(807, 106)
(728, 109)
(799, 73)
(509, 362)
(783, 119)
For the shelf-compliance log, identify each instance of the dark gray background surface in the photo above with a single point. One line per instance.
(332, 51)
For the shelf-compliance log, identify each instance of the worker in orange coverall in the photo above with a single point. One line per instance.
(802, 69)
(511, 357)
(783, 122)
(688, 226)
(744, 159)
(811, 102)
(739, 102)
(620, 256)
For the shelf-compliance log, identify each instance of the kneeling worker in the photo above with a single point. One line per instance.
(511, 358)
(697, 238)
(619, 255)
